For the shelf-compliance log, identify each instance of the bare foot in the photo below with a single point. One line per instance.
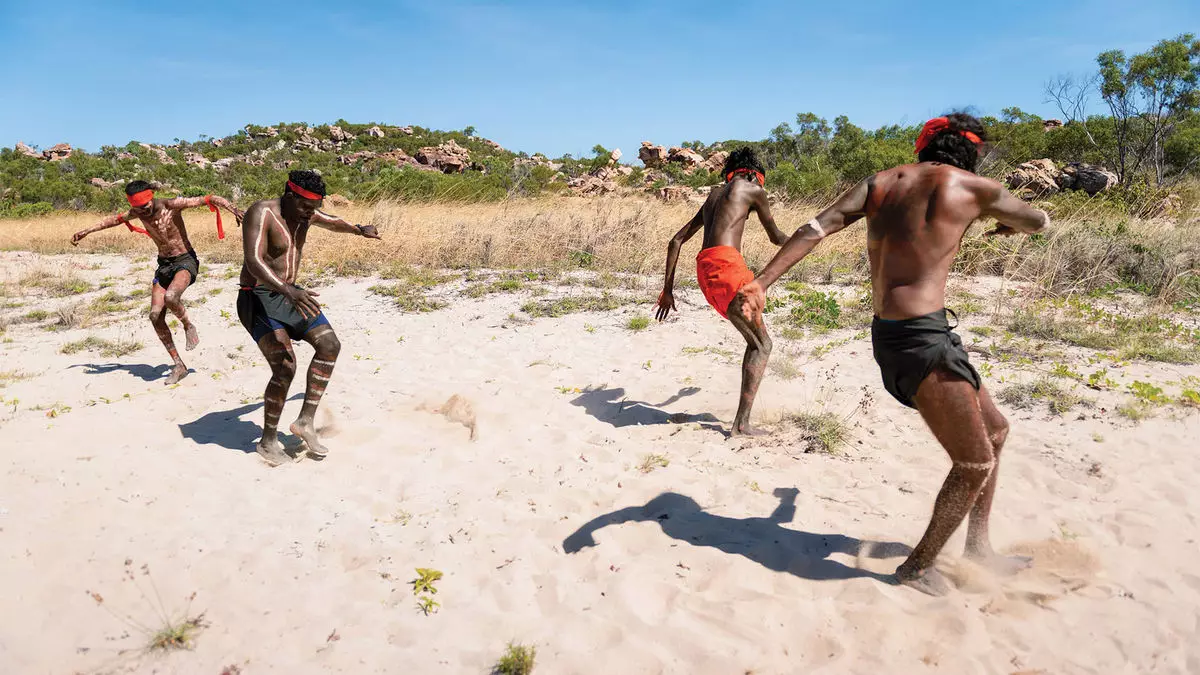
(928, 581)
(748, 430)
(1002, 565)
(272, 451)
(304, 429)
(179, 372)
(193, 337)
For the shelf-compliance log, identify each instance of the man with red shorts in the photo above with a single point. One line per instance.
(722, 271)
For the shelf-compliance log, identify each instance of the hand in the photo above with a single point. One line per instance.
(666, 303)
(1001, 231)
(78, 238)
(303, 300)
(368, 231)
(238, 215)
(754, 299)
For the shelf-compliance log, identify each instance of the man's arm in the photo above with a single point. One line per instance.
(181, 203)
(762, 207)
(1012, 214)
(111, 221)
(845, 211)
(335, 224)
(666, 299)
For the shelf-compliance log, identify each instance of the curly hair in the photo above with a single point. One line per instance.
(134, 187)
(951, 147)
(308, 179)
(742, 158)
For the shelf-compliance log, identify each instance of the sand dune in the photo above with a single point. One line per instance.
(737, 556)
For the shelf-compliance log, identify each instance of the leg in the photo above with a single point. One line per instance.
(174, 300)
(950, 406)
(277, 347)
(327, 346)
(754, 364)
(979, 546)
(159, 321)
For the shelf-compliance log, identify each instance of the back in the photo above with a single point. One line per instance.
(725, 212)
(918, 214)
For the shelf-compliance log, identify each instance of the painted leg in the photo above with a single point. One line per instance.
(174, 300)
(277, 348)
(754, 365)
(326, 346)
(979, 545)
(158, 319)
(950, 406)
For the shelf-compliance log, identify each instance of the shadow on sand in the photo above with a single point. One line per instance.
(143, 371)
(763, 540)
(611, 407)
(224, 428)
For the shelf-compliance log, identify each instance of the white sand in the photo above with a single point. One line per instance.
(282, 560)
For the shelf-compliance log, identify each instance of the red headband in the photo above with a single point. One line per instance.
(762, 180)
(301, 192)
(140, 198)
(936, 126)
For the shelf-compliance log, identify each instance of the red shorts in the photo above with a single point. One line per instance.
(722, 272)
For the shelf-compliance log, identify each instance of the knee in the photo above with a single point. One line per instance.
(328, 347)
(766, 343)
(156, 313)
(172, 297)
(998, 434)
(285, 368)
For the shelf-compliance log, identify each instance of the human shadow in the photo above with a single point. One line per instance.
(611, 407)
(226, 429)
(143, 371)
(763, 540)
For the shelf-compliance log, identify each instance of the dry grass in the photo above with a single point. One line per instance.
(1086, 249)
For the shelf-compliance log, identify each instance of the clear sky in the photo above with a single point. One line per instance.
(549, 76)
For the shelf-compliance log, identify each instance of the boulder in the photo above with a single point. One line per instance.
(356, 157)
(340, 135)
(625, 170)
(1050, 125)
(1035, 179)
(588, 185)
(104, 184)
(23, 149)
(375, 132)
(675, 193)
(159, 153)
(126, 155)
(407, 131)
(715, 161)
(57, 153)
(218, 142)
(449, 157)
(690, 159)
(196, 159)
(1090, 179)
(614, 156)
(653, 156)
(337, 200)
(223, 164)
(492, 144)
(269, 132)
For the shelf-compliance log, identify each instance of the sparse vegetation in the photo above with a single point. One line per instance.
(107, 348)
(517, 660)
(573, 304)
(653, 461)
(407, 298)
(824, 431)
(637, 323)
(1058, 399)
(784, 367)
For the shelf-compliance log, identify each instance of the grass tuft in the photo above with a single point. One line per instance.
(517, 660)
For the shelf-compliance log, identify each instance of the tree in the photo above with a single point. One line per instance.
(1148, 95)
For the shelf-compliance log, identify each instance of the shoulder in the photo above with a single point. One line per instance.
(263, 207)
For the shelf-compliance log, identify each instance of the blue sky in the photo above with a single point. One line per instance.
(554, 77)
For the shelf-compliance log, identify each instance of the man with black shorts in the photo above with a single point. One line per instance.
(178, 265)
(275, 311)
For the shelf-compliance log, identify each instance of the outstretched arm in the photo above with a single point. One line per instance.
(763, 208)
(582, 538)
(335, 224)
(846, 210)
(111, 221)
(181, 203)
(666, 299)
(1012, 214)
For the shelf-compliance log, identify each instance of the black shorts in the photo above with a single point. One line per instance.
(264, 311)
(169, 267)
(908, 350)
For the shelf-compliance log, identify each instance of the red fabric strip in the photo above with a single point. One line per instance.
(302, 192)
(211, 207)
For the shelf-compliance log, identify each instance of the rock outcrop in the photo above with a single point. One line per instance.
(23, 149)
(57, 153)
(653, 156)
(1090, 179)
(160, 154)
(449, 157)
(1034, 179)
(375, 132)
(690, 159)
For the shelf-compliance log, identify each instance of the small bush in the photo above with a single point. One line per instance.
(573, 304)
(638, 323)
(1059, 400)
(517, 660)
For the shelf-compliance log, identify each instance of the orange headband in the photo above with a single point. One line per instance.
(936, 126)
(762, 180)
(140, 198)
(301, 192)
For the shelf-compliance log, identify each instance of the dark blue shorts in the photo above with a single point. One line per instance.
(263, 311)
